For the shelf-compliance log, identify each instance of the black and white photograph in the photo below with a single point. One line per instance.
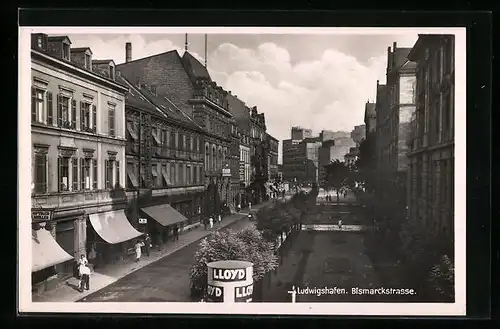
(275, 170)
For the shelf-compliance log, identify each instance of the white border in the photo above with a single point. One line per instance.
(368, 309)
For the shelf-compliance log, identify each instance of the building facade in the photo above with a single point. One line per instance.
(164, 152)
(431, 142)
(310, 150)
(78, 151)
(272, 163)
(259, 150)
(186, 83)
(358, 134)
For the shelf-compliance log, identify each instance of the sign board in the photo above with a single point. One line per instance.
(226, 172)
(41, 215)
(143, 220)
(230, 280)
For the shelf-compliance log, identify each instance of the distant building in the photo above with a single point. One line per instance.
(358, 134)
(299, 133)
(310, 149)
(293, 161)
(351, 157)
(326, 135)
(432, 138)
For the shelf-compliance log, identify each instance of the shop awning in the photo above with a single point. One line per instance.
(46, 251)
(113, 226)
(164, 214)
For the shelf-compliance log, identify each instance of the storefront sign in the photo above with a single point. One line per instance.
(226, 172)
(143, 220)
(233, 280)
(41, 215)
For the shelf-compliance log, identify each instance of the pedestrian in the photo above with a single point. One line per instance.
(205, 223)
(249, 206)
(138, 251)
(219, 218)
(84, 278)
(340, 224)
(211, 222)
(239, 207)
(147, 244)
(176, 232)
(83, 260)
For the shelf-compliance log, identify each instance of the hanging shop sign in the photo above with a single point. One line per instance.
(143, 220)
(38, 215)
(230, 281)
(226, 172)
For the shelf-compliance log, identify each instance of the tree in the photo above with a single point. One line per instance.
(337, 174)
(247, 245)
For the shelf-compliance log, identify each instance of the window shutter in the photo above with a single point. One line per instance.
(94, 169)
(59, 171)
(59, 110)
(94, 117)
(82, 117)
(117, 178)
(33, 104)
(73, 113)
(50, 109)
(106, 175)
(82, 173)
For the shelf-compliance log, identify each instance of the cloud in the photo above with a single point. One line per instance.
(328, 90)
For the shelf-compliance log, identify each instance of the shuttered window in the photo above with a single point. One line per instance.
(117, 172)
(63, 111)
(63, 174)
(40, 173)
(85, 174)
(111, 121)
(94, 174)
(74, 175)
(94, 118)
(85, 115)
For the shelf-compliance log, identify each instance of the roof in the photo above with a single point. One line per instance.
(401, 59)
(102, 61)
(194, 67)
(135, 98)
(59, 38)
(238, 107)
(80, 49)
(422, 39)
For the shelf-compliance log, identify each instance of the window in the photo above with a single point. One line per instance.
(63, 174)
(37, 105)
(65, 50)
(188, 175)
(195, 175)
(164, 174)
(85, 181)
(191, 143)
(172, 174)
(39, 42)
(74, 174)
(85, 115)
(446, 118)
(154, 175)
(108, 178)
(94, 118)
(65, 117)
(87, 62)
(117, 172)
(111, 121)
(94, 174)
(207, 156)
(178, 174)
(40, 173)
(112, 72)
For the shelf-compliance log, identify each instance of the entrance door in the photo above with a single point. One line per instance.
(65, 237)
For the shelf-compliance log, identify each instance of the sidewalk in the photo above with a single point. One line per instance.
(67, 292)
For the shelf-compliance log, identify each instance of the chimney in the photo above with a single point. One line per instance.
(394, 44)
(128, 52)
(186, 43)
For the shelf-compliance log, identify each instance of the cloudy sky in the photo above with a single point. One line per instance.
(315, 81)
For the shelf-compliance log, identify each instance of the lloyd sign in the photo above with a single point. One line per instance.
(243, 294)
(229, 275)
(215, 294)
(230, 281)
(41, 215)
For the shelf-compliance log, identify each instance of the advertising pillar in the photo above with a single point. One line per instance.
(230, 281)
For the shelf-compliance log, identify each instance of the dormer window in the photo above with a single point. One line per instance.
(88, 64)
(111, 72)
(65, 51)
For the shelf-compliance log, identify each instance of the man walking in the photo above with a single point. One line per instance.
(147, 244)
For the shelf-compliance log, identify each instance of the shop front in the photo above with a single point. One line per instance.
(161, 222)
(46, 255)
(110, 237)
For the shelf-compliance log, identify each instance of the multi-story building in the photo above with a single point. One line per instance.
(299, 133)
(272, 164)
(358, 134)
(186, 83)
(370, 118)
(293, 161)
(164, 163)
(432, 139)
(78, 156)
(367, 149)
(310, 149)
(259, 150)
(351, 157)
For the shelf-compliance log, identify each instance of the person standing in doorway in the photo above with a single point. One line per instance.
(138, 251)
(147, 244)
(84, 278)
(211, 222)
